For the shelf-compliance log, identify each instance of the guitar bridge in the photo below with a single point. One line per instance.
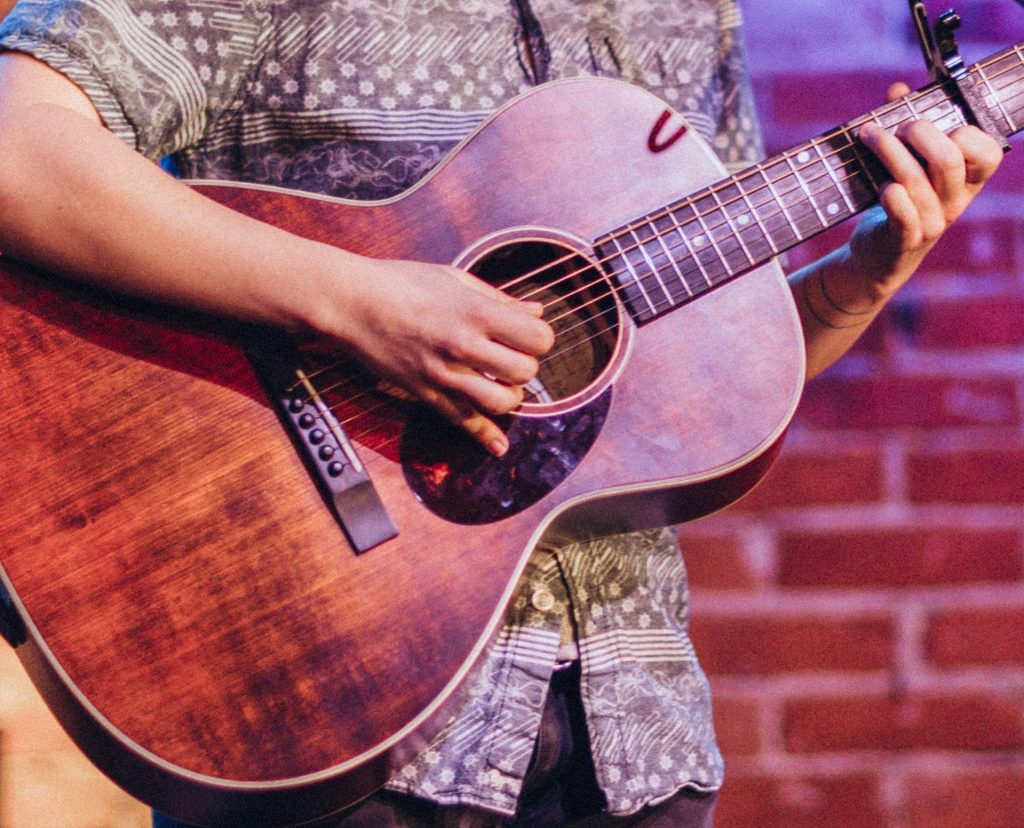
(320, 439)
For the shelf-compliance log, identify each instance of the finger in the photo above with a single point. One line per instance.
(525, 333)
(896, 91)
(484, 392)
(907, 171)
(943, 162)
(469, 349)
(514, 322)
(982, 154)
(504, 364)
(465, 416)
(904, 226)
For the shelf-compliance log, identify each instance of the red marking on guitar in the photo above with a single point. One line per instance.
(654, 142)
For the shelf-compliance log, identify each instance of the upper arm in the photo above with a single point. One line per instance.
(25, 80)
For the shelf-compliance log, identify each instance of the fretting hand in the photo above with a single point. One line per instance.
(934, 178)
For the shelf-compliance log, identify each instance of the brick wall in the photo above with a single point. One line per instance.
(861, 614)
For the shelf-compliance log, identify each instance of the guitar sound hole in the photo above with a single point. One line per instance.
(579, 304)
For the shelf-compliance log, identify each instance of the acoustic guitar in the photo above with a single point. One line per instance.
(250, 579)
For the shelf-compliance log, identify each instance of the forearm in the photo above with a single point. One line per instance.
(76, 200)
(836, 304)
(104, 214)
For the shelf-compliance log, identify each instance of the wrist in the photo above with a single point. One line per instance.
(316, 297)
(837, 294)
(852, 288)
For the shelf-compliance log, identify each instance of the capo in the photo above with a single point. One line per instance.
(942, 58)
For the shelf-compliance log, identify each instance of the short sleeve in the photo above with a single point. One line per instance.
(737, 139)
(159, 73)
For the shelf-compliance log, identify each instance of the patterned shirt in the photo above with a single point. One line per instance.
(360, 99)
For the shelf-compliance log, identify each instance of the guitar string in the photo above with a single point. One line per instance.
(785, 157)
(394, 404)
(803, 183)
(826, 173)
(720, 213)
(794, 172)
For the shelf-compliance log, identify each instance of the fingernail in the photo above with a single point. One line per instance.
(498, 446)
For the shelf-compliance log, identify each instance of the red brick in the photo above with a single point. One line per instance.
(967, 721)
(899, 557)
(1010, 175)
(716, 561)
(850, 94)
(978, 323)
(737, 725)
(980, 799)
(977, 244)
(756, 801)
(986, 24)
(922, 402)
(976, 636)
(803, 479)
(969, 476)
(768, 645)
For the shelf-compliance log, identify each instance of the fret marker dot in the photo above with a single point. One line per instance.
(698, 241)
(832, 209)
(742, 220)
(804, 157)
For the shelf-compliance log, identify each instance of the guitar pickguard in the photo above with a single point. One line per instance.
(459, 481)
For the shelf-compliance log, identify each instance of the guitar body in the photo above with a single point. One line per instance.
(192, 610)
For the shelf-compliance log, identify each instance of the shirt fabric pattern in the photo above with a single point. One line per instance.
(360, 99)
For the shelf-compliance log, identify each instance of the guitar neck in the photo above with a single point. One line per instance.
(670, 257)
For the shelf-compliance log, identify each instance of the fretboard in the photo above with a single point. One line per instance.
(667, 258)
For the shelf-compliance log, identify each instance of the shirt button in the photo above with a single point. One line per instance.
(542, 599)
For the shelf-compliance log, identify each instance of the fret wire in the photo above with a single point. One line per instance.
(1016, 98)
(636, 279)
(994, 97)
(781, 203)
(732, 227)
(711, 239)
(689, 246)
(853, 146)
(910, 106)
(702, 244)
(804, 186)
(673, 262)
(832, 174)
(1014, 58)
(866, 167)
(745, 213)
(1010, 76)
(806, 182)
(757, 217)
(652, 266)
(1020, 57)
